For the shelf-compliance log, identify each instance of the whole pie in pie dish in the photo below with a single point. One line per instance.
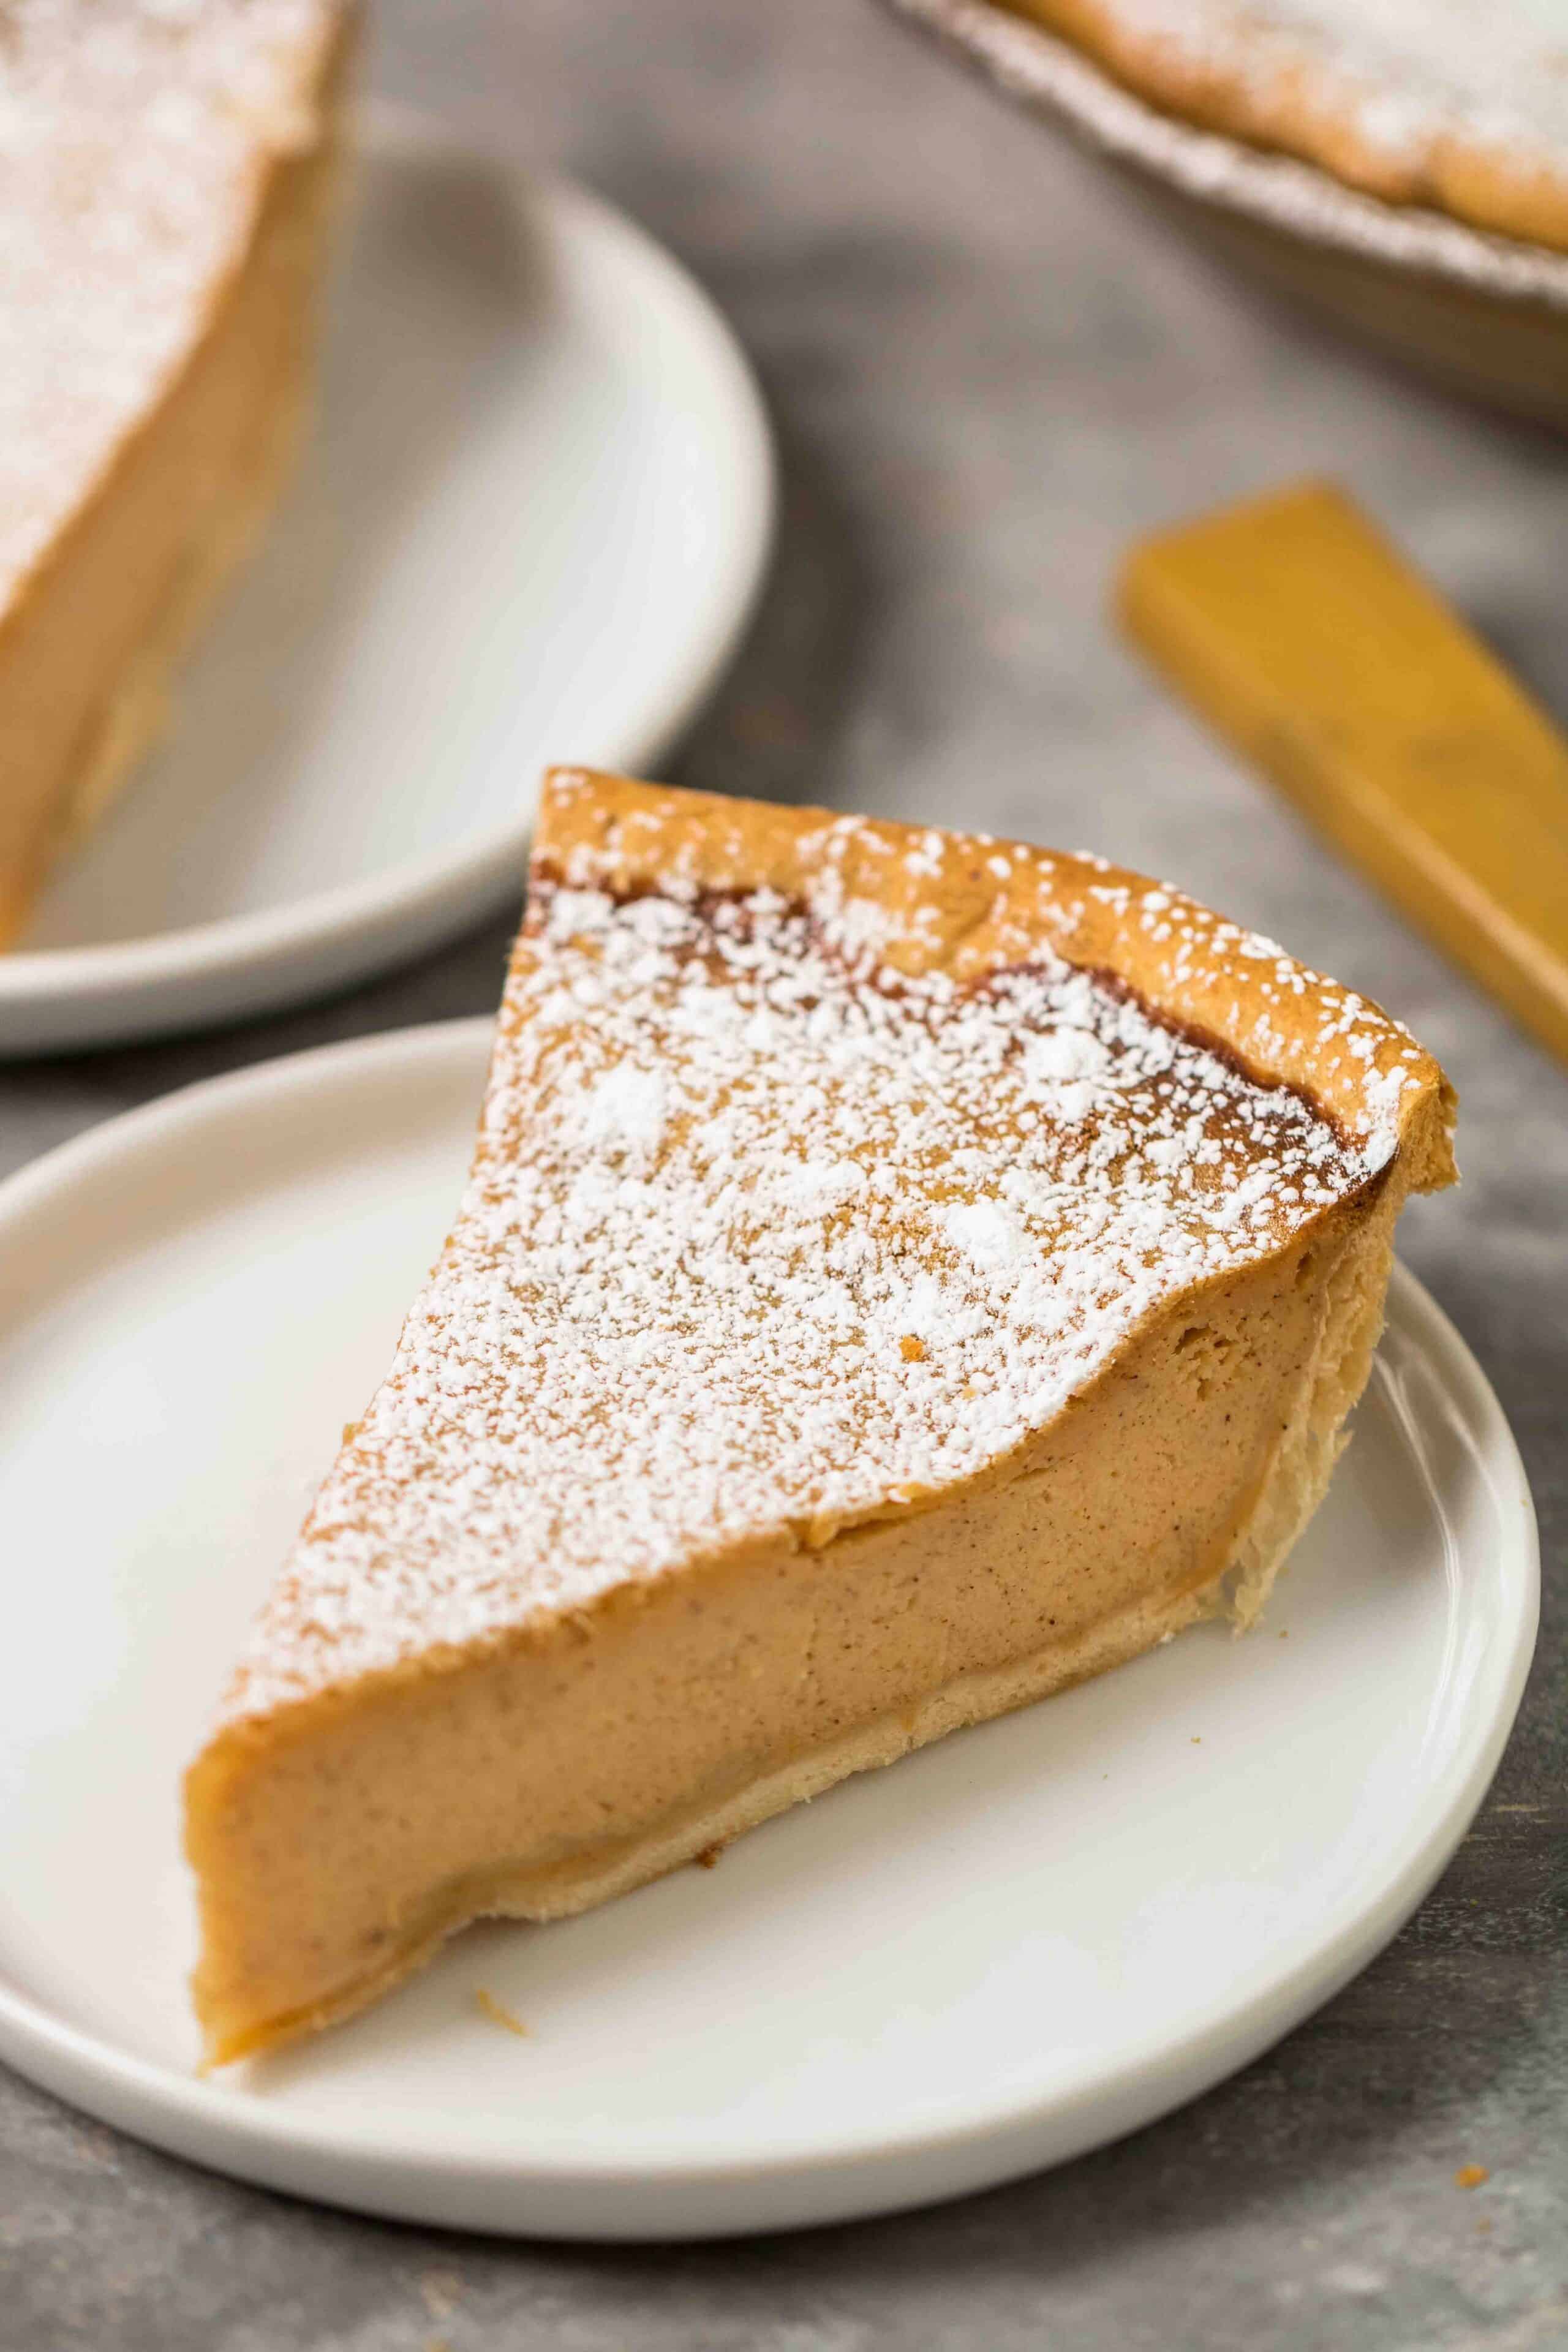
(163, 182)
(1461, 105)
(901, 1273)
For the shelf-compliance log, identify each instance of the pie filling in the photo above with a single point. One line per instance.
(759, 1232)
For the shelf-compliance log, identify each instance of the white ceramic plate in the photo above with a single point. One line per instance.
(1016, 1944)
(529, 528)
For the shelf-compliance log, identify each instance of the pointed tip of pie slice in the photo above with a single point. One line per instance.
(901, 1273)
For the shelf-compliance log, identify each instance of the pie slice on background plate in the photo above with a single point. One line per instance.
(901, 1273)
(163, 190)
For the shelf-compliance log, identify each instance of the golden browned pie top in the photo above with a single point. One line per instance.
(812, 1178)
(133, 139)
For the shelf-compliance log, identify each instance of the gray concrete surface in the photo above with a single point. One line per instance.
(988, 369)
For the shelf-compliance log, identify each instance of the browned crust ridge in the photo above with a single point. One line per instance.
(955, 913)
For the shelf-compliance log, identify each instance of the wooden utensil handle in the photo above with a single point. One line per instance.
(1305, 639)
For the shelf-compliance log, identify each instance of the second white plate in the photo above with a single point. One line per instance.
(1018, 1944)
(529, 528)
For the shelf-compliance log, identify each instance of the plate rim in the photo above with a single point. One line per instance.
(91, 990)
(833, 2176)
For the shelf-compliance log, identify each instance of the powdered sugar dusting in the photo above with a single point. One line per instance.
(133, 134)
(761, 1233)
